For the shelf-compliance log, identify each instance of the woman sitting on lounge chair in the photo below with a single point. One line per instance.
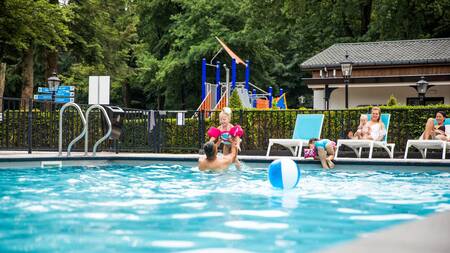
(377, 128)
(434, 128)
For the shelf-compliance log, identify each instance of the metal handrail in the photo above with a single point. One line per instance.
(86, 128)
(61, 112)
(256, 87)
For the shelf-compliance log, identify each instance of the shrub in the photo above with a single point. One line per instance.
(235, 101)
(391, 101)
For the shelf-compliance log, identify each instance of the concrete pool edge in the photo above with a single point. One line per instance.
(13, 156)
(426, 235)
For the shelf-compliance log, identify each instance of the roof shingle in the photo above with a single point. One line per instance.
(402, 52)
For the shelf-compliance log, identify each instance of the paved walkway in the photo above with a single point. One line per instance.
(431, 234)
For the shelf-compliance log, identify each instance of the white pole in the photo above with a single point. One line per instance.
(227, 83)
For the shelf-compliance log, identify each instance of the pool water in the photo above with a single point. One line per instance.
(175, 208)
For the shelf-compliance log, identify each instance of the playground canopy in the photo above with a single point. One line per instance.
(231, 53)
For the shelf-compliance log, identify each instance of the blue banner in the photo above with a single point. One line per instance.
(64, 100)
(65, 93)
(43, 97)
(60, 89)
(58, 99)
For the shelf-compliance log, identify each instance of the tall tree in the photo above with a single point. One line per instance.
(35, 23)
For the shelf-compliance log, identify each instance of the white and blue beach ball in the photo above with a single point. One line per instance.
(284, 173)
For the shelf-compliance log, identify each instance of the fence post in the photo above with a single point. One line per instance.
(201, 129)
(30, 125)
(157, 131)
(241, 117)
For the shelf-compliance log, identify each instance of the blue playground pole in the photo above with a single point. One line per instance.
(203, 79)
(270, 96)
(247, 74)
(281, 92)
(218, 95)
(233, 74)
(254, 98)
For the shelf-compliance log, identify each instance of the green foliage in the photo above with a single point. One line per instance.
(407, 122)
(153, 49)
(392, 101)
(235, 101)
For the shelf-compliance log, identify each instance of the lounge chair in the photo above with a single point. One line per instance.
(307, 126)
(424, 145)
(358, 145)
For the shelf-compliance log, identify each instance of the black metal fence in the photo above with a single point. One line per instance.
(27, 124)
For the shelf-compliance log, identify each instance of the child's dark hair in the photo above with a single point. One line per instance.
(312, 140)
(442, 113)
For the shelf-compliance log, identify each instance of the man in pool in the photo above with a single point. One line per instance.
(213, 163)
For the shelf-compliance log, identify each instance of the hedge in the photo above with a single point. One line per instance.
(407, 122)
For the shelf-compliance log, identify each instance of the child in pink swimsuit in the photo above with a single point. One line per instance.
(225, 132)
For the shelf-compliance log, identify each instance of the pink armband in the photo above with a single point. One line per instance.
(236, 131)
(214, 132)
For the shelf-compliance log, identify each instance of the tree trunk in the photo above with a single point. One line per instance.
(27, 76)
(51, 63)
(366, 12)
(126, 93)
(2, 83)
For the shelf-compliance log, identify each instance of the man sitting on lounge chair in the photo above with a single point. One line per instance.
(435, 128)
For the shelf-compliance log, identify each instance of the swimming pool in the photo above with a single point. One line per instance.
(162, 207)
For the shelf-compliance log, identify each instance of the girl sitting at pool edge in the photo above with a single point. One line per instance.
(325, 150)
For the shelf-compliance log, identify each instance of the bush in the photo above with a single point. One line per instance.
(407, 122)
(235, 101)
(391, 101)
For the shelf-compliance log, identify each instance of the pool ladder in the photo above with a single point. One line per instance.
(85, 131)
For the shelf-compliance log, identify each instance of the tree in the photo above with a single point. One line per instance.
(30, 24)
(392, 101)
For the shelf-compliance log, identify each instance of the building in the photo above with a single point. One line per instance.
(381, 69)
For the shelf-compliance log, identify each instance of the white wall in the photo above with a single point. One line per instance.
(319, 99)
(375, 95)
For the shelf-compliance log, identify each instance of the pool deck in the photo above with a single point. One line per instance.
(17, 156)
(431, 234)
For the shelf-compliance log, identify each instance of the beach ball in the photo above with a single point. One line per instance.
(283, 173)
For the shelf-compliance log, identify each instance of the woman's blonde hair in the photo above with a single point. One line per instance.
(379, 112)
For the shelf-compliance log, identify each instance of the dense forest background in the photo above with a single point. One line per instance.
(152, 49)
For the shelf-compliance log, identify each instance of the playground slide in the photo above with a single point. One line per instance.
(244, 97)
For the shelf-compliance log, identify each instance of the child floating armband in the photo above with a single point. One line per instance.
(236, 131)
(214, 132)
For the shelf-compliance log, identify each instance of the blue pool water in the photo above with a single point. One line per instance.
(174, 208)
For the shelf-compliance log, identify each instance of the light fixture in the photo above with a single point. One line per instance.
(53, 82)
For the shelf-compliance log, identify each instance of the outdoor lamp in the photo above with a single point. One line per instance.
(346, 68)
(53, 82)
(422, 87)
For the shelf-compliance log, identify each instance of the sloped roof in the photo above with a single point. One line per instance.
(400, 52)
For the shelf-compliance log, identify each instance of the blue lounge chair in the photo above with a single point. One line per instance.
(358, 145)
(424, 145)
(307, 126)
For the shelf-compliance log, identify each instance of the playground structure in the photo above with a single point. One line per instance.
(217, 95)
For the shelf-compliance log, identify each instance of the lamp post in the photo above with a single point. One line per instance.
(346, 68)
(53, 85)
(422, 87)
(301, 100)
